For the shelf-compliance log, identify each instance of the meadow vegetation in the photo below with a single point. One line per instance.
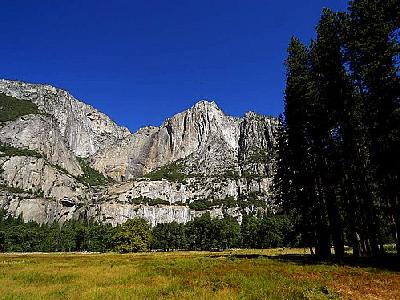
(236, 274)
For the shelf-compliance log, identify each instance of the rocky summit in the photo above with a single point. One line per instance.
(62, 159)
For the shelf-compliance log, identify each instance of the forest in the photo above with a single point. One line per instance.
(338, 153)
(135, 235)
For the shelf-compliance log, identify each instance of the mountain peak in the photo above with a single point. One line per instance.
(205, 103)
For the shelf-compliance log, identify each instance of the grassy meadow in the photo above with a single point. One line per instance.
(236, 274)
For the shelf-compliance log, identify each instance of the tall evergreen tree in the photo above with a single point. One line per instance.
(372, 44)
(300, 153)
(330, 88)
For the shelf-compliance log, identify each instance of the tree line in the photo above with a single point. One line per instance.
(135, 235)
(339, 141)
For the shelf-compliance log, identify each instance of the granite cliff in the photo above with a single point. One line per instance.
(63, 159)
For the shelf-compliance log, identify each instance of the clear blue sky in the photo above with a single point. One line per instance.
(143, 61)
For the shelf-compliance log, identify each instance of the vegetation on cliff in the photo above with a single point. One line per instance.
(8, 150)
(172, 171)
(12, 108)
(91, 176)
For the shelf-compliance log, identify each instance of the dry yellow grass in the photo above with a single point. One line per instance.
(240, 274)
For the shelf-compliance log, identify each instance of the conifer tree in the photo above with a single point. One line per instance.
(300, 153)
(372, 45)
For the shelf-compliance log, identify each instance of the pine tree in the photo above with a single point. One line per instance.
(372, 48)
(330, 88)
(300, 153)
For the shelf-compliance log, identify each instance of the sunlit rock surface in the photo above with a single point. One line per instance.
(223, 161)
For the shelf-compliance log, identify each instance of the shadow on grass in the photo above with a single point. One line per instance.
(387, 262)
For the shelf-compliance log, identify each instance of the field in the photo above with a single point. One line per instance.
(240, 274)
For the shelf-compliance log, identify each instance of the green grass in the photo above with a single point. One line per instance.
(240, 274)
(12, 108)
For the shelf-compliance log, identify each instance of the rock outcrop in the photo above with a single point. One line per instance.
(197, 161)
(85, 129)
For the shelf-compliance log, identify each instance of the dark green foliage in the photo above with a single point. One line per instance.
(206, 233)
(276, 231)
(252, 200)
(338, 147)
(373, 50)
(157, 201)
(201, 204)
(205, 204)
(268, 231)
(169, 236)
(8, 150)
(250, 229)
(12, 108)
(226, 233)
(231, 174)
(71, 236)
(227, 202)
(2, 241)
(203, 233)
(172, 172)
(91, 176)
(132, 236)
(99, 237)
(257, 155)
(11, 189)
(200, 233)
(147, 201)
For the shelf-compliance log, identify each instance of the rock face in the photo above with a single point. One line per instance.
(84, 129)
(203, 128)
(197, 161)
(40, 133)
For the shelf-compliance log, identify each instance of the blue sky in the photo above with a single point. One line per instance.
(143, 61)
